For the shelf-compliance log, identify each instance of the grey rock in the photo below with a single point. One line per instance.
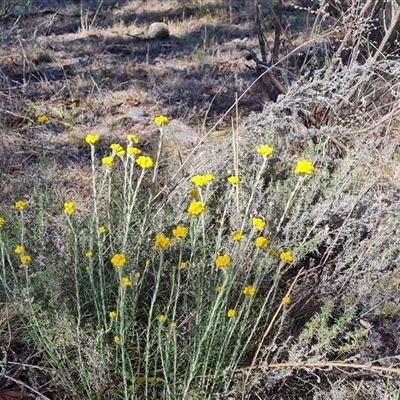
(158, 30)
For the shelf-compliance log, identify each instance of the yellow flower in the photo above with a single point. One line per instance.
(126, 282)
(286, 301)
(138, 275)
(304, 167)
(92, 139)
(222, 261)
(102, 229)
(161, 120)
(134, 151)
(183, 265)
(265, 150)
(148, 262)
(196, 208)
(261, 242)
(69, 207)
(25, 259)
(116, 339)
(144, 162)
(107, 160)
(89, 254)
(249, 291)
(161, 318)
(234, 180)
(19, 250)
(20, 205)
(286, 256)
(162, 242)
(118, 260)
(231, 313)
(201, 180)
(238, 236)
(172, 324)
(118, 149)
(87, 268)
(179, 232)
(43, 119)
(132, 138)
(112, 314)
(219, 289)
(2, 222)
(259, 223)
(194, 193)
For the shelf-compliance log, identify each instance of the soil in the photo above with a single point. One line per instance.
(84, 68)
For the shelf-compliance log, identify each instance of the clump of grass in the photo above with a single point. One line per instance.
(163, 301)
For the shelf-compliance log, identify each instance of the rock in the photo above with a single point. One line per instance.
(158, 30)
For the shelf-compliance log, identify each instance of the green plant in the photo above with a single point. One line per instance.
(169, 302)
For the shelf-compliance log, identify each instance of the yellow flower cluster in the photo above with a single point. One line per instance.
(202, 180)
(179, 232)
(238, 236)
(118, 149)
(304, 167)
(259, 223)
(222, 261)
(261, 242)
(161, 318)
(20, 205)
(25, 259)
(162, 242)
(183, 265)
(286, 301)
(2, 222)
(126, 282)
(112, 314)
(234, 180)
(196, 208)
(119, 260)
(92, 139)
(286, 256)
(102, 229)
(249, 291)
(108, 160)
(265, 150)
(43, 119)
(144, 162)
(132, 138)
(134, 151)
(219, 289)
(116, 339)
(161, 120)
(19, 250)
(89, 254)
(231, 313)
(69, 207)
